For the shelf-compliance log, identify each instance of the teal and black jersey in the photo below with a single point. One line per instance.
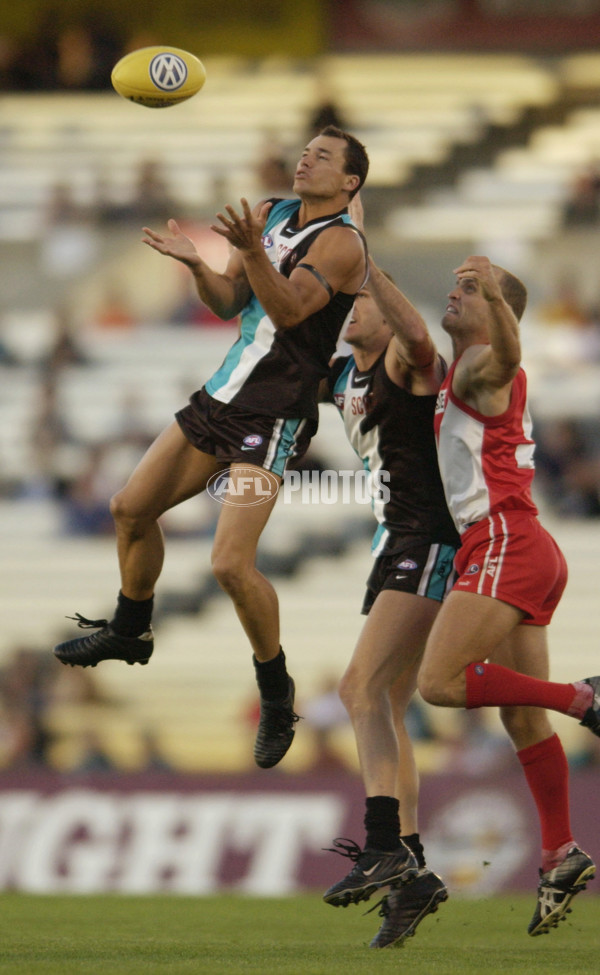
(274, 371)
(391, 431)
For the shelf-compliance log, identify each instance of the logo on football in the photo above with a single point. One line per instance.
(168, 71)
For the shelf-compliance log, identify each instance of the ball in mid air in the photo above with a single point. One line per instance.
(158, 77)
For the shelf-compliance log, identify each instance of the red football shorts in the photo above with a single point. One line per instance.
(510, 556)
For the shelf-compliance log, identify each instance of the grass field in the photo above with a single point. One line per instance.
(229, 935)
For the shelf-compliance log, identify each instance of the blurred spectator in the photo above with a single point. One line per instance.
(150, 199)
(418, 721)
(24, 683)
(94, 757)
(68, 239)
(86, 53)
(582, 207)
(76, 59)
(585, 752)
(325, 715)
(104, 467)
(326, 112)
(86, 498)
(153, 758)
(563, 306)
(74, 685)
(131, 426)
(272, 168)
(477, 750)
(65, 52)
(65, 349)
(568, 467)
(274, 176)
(51, 442)
(114, 310)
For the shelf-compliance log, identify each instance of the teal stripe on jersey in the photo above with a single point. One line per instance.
(280, 211)
(257, 331)
(252, 344)
(365, 445)
(342, 379)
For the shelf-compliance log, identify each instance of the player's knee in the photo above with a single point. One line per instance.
(347, 691)
(431, 688)
(119, 507)
(125, 516)
(363, 693)
(525, 725)
(229, 573)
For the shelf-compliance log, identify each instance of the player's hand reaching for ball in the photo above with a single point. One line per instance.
(177, 245)
(243, 232)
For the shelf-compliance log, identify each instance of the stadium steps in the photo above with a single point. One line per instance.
(577, 87)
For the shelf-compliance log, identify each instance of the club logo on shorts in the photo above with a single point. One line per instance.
(251, 441)
(407, 564)
(472, 570)
(168, 71)
(267, 240)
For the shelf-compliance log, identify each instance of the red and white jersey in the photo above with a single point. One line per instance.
(486, 462)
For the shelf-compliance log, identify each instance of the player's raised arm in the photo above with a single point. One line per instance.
(415, 348)
(225, 294)
(415, 345)
(496, 363)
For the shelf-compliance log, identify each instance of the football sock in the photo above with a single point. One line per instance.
(492, 685)
(132, 616)
(415, 846)
(272, 677)
(382, 823)
(547, 773)
(552, 858)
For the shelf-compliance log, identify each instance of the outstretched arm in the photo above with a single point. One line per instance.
(225, 294)
(414, 348)
(337, 255)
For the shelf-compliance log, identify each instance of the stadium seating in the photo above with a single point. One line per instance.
(409, 110)
(197, 694)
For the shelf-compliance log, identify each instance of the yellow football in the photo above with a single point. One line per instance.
(158, 77)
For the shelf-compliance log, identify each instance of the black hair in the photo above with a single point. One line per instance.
(357, 160)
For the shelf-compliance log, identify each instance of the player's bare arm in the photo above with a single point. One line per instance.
(225, 294)
(337, 257)
(412, 360)
(487, 367)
